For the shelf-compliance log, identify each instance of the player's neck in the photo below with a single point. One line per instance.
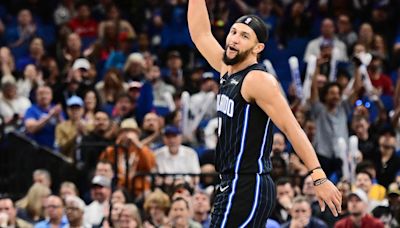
(241, 66)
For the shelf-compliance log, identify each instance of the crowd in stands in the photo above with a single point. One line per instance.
(118, 89)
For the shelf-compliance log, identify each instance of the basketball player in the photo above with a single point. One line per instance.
(248, 103)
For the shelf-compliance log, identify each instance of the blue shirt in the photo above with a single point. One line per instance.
(46, 135)
(46, 223)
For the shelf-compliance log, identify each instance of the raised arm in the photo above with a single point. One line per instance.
(200, 32)
(260, 87)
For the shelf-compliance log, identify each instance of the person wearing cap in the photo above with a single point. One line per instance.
(70, 131)
(248, 100)
(175, 158)
(327, 33)
(12, 106)
(100, 193)
(134, 158)
(358, 216)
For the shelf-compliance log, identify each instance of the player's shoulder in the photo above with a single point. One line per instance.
(260, 77)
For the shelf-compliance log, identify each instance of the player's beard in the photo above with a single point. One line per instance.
(240, 57)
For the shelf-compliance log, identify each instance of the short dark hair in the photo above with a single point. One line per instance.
(366, 173)
(283, 181)
(326, 88)
(364, 165)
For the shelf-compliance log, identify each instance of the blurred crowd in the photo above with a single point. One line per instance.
(117, 89)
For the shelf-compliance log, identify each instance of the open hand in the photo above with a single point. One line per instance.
(328, 194)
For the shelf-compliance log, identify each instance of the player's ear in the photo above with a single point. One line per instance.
(258, 48)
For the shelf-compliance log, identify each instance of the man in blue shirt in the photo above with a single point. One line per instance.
(41, 118)
(54, 207)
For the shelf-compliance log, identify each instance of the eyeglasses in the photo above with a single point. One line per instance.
(386, 147)
(72, 209)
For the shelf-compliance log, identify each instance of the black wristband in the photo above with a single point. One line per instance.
(311, 171)
(320, 181)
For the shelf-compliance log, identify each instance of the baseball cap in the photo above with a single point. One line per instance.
(171, 130)
(81, 63)
(101, 181)
(360, 194)
(75, 101)
(135, 84)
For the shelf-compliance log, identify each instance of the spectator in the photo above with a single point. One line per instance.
(67, 189)
(138, 158)
(366, 36)
(366, 144)
(285, 194)
(35, 55)
(7, 66)
(92, 105)
(381, 82)
(174, 72)
(201, 208)
(151, 131)
(12, 106)
(32, 78)
(101, 193)
(301, 215)
(345, 31)
(94, 143)
(295, 24)
(358, 217)
(389, 162)
(19, 36)
(134, 67)
(179, 215)
(8, 209)
(42, 176)
(64, 12)
(124, 108)
(205, 100)
(120, 195)
(31, 207)
(125, 29)
(54, 208)
(327, 33)
(156, 207)
(104, 168)
(175, 157)
(75, 208)
(111, 87)
(327, 108)
(41, 118)
(83, 24)
(376, 193)
(70, 52)
(161, 90)
(114, 216)
(70, 132)
(129, 217)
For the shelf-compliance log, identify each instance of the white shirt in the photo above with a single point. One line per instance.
(185, 161)
(94, 213)
(18, 105)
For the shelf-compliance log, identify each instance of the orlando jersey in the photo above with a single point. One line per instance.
(244, 129)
